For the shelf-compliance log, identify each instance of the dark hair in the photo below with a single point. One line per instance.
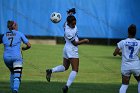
(71, 10)
(132, 30)
(70, 19)
(10, 24)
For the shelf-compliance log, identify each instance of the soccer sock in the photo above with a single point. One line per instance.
(71, 78)
(17, 80)
(123, 88)
(59, 68)
(16, 84)
(11, 80)
(139, 87)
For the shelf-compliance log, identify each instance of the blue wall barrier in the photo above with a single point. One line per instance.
(95, 18)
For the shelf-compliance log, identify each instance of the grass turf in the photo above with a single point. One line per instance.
(99, 71)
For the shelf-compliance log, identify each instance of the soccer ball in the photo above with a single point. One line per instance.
(55, 17)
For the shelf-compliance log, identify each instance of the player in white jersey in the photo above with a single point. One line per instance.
(129, 49)
(70, 53)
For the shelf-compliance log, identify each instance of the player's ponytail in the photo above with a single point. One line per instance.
(10, 25)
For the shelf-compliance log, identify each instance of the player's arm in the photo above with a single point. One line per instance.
(26, 42)
(28, 46)
(1, 36)
(75, 43)
(117, 52)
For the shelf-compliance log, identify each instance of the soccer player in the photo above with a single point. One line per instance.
(130, 48)
(12, 54)
(70, 53)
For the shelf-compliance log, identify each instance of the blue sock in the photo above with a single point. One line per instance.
(16, 81)
(11, 80)
(16, 84)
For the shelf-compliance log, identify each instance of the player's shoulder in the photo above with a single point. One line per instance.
(125, 40)
(138, 41)
(67, 29)
(18, 33)
(122, 40)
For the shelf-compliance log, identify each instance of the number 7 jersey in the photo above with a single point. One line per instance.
(12, 43)
(130, 48)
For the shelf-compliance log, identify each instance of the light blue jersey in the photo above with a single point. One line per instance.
(12, 56)
(12, 42)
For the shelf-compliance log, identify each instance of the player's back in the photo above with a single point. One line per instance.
(130, 49)
(12, 42)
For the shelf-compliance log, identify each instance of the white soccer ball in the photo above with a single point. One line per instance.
(55, 17)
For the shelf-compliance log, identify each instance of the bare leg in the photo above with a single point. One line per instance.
(60, 68)
(138, 80)
(125, 83)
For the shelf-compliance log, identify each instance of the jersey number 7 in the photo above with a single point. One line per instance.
(131, 48)
(11, 40)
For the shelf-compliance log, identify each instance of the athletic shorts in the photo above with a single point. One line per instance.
(135, 72)
(10, 61)
(70, 52)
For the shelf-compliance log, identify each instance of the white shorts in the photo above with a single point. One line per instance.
(70, 53)
(135, 72)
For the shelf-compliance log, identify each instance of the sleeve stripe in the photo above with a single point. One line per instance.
(71, 38)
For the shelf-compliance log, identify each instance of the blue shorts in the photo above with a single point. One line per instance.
(10, 61)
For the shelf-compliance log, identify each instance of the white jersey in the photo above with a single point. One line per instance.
(70, 34)
(130, 50)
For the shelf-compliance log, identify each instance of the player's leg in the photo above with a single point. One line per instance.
(138, 80)
(11, 79)
(60, 68)
(75, 65)
(9, 63)
(17, 67)
(137, 77)
(126, 75)
(63, 67)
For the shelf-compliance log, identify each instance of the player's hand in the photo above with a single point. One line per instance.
(23, 48)
(71, 11)
(28, 46)
(86, 40)
(120, 53)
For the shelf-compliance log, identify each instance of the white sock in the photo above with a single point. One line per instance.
(71, 78)
(59, 68)
(139, 87)
(123, 88)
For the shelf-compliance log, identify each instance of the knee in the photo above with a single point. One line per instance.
(17, 75)
(76, 70)
(17, 72)
(66, 68)
(125, 81)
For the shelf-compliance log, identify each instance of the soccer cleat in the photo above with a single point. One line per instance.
(14, 91)
(48, 74)
(65, 89)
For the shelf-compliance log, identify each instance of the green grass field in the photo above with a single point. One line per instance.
(99, 71)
